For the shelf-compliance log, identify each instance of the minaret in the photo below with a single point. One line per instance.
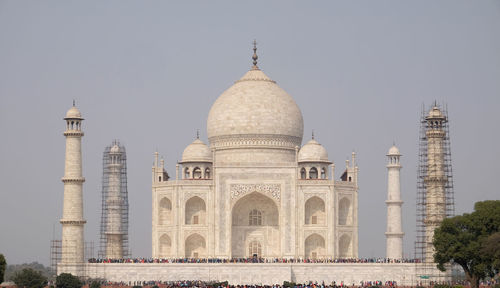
(72, 220)
(394, 234)
(435, 179)
(114, 201)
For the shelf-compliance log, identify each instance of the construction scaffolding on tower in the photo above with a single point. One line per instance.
(427, 269)
(56, 255)
(109, 225)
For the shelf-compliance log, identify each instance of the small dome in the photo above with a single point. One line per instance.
(312, 151)
(197, 152)
(393, 150)
(435, 113)
(73, 113)
(115, 149)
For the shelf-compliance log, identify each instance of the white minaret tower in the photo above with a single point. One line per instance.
(72, 220)
(394, 234)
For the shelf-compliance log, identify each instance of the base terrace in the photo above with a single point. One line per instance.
(261, 271)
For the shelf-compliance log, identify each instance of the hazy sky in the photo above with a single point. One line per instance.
(147, 73)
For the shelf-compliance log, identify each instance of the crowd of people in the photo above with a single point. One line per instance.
(252, 260)
(203, 284)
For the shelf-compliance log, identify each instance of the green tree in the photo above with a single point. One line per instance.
(492, 247)
(67, 280)
(29, 278)
(464, 240)
(3, 266)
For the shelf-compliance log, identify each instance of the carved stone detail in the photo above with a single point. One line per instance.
(251, 140)
(308, 196)
(238, 190)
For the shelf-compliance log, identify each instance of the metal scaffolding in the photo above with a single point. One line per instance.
(114, 213)
(56, 255)
(424, 171)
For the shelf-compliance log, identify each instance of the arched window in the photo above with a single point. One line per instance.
(303, 173)
(323, 173)
(345, 212)
(165, 213)
(207, 173)
(345, 246)
(195, 246)
(165, 246)
(197, 173)
(195, 211)
(315, 246)
(254, 249)
(255, 218)
(315, 211)
(313, 173)
(186, 173)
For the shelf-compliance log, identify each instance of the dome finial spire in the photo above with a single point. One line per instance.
(255, 57)
(312, 134)
(197, 133)
(73, 102)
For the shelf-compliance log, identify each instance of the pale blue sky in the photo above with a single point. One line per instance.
(147, 72)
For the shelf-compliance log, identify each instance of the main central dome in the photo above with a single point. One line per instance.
(255, 107)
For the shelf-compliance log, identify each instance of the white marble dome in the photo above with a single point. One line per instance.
(197, 152)
(73, 113)
(393, 150)
(435, 113)
(255, 105)
(312, 151)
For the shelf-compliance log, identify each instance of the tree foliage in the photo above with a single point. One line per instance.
(492, 247)
(3, 265)
(12, 269)
(67, 280)
(469, 240)
(29, 278)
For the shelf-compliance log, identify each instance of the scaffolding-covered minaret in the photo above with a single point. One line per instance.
(435, 199)
(114, 216)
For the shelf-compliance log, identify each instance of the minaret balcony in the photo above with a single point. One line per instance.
(72, 222)
(399, 202)
(76, 133)
(73, 179)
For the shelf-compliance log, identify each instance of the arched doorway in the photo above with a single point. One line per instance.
(255, 219)
(345, 246)
(315, 211)
(165, 215)
(345, 212)
(165, 246)
(195, 211)
(195, 246)
(315, 247)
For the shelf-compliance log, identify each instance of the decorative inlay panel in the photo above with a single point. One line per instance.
(253, 140)
(273, 190)
(308, 196)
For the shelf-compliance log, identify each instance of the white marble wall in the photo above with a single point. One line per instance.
(272, 273)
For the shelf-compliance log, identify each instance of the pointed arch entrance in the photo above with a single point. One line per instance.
(255, 219)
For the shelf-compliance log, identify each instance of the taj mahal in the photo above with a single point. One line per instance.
(238, 197)
(252, 192)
